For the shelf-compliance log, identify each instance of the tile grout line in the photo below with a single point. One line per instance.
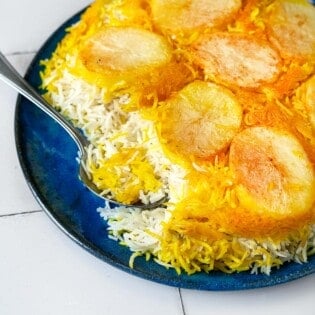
(19, 213)
(19, 53)
(181, 301)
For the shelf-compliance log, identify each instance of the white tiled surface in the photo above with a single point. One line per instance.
(44, 272)
(16, 196)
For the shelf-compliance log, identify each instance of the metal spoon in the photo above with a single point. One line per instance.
(9, 75)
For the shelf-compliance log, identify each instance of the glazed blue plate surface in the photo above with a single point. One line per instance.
(48, 159)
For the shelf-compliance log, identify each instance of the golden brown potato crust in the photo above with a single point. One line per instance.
(236, 59)
(183, 15)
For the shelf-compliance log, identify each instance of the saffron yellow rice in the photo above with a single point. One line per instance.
(251, 93)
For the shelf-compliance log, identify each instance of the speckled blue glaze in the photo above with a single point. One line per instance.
(48, 159)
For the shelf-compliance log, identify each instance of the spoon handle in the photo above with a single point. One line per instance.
(9, 75)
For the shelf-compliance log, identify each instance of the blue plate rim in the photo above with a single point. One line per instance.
(215, 282)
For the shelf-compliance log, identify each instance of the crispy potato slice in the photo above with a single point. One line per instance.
(125, 51)
(200, 120)
(184, 15)
(273, 172)
(292, 27)
(236, 59)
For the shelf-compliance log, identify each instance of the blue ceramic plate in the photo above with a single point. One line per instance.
(48, 159)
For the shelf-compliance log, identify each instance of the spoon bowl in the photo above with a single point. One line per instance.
(9, 75)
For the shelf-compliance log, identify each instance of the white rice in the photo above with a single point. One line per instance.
(109, 128)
